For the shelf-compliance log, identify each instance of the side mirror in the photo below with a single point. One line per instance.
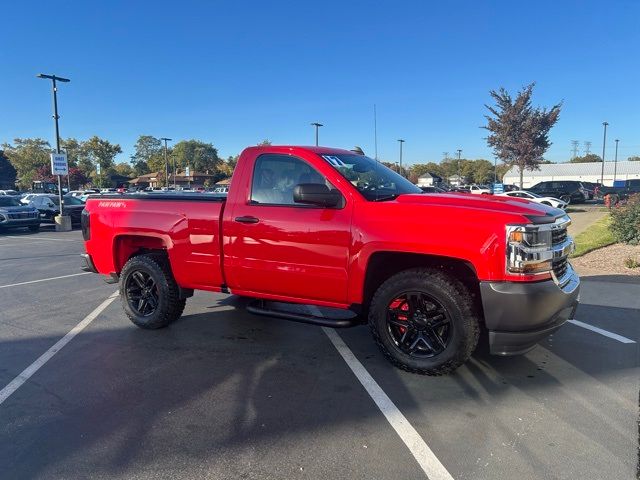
(316, 194)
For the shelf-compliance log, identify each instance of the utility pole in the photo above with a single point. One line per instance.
(615, 163)
(604, 143)
(400, 141)
(55, 79)
(459, 151)
(317, 125)
(166, 162)
(574, 149)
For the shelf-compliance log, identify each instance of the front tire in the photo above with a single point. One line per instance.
(424, 321)
(566, 199)
(149, 294)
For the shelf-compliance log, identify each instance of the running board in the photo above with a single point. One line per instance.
(258, 307)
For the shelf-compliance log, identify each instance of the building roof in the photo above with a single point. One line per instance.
(577, 169)
(429, 175)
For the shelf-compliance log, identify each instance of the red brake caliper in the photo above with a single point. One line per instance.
(404, 306)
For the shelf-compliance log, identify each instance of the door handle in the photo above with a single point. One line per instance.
(247, 219)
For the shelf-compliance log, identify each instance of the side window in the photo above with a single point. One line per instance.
(634, 183)
(275, 176)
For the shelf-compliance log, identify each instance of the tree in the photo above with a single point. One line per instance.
(124, 168)
(101, 152)
(27, 155)
(74, 150)
(199, 156)
(264, 143)
(634, 158)
(7, 172)
(588, 158)
(77, 178)
(519, 132)
(149, 155)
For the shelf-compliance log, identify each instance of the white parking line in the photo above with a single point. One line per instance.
(17, 382)
(411, 438)
(606, 333)
(44, 280)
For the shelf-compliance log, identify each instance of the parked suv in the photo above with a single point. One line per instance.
(569, 191)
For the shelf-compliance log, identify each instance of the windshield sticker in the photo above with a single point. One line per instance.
(333, 160)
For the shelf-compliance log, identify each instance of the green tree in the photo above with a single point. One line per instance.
(588, 158)
(634, 158)
(149, 155)
(482, 171)
(74, 150)
(124, 168)
(199, 156)
(264, 143)
(519, 132)
(27, 155)
(7, 172)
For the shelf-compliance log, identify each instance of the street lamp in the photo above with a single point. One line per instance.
(615, 163)
(54, 79)
(166, 163)
(400, 141)
(317, 125)
(604, 143)
(459, 151)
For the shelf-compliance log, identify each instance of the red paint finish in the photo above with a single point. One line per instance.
(297, 253)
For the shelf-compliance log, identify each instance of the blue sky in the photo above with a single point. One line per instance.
(235, 73)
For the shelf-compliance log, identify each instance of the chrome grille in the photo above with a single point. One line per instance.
(22, 215)
(558, 236)
(560, 267)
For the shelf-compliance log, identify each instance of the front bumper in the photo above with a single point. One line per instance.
(519, 315)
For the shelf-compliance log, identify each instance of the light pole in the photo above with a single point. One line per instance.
(317, 125)
(166, 163)
(55, 79)
(459, 151)
(495, 170)
(400, 141)
(604, 143)
(615, 163)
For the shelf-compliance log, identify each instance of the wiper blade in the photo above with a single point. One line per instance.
(386, 197)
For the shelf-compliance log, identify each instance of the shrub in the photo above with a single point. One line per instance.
(631, 263)
(625, 221)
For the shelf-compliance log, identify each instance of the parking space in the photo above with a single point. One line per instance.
(225, 394)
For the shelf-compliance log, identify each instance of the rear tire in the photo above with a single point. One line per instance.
(149, 293)
(566, 199)
(442, 325)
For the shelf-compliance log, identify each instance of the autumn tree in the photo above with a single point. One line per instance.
(519, 132)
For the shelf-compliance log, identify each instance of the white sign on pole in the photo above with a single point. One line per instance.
(98, 169)
(186, 172)
(59, 164)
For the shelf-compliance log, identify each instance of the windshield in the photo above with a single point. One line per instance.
(535, 195)
(372, 179)
(6, 201)
(71, 200)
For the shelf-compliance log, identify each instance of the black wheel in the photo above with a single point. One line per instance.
(150, 296)
(424, 321)
(34, 228)
(566, 199)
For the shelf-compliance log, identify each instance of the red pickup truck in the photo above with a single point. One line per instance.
(324, 227)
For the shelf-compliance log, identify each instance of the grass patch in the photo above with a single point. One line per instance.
(596, 236)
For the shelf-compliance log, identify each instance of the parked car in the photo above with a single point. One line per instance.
(15, 215)
(621, 191)
(26, 198)
(11, 193)
(328, 227)
(479, 189)
(569, 191)
(534, 197)
(49, 206)
(432, 189)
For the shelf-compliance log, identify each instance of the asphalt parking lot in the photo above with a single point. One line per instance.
(225, 394)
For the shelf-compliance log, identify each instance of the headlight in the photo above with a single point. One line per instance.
(3, 218)
(532, 249)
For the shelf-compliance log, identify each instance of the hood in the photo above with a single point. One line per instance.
(535, 212)
(24, 208)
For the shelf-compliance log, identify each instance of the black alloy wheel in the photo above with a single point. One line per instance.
(142, 293)
(419, 325)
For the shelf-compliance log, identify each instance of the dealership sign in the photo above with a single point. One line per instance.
(59, 164)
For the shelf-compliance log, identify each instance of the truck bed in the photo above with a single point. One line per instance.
(186, 225)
